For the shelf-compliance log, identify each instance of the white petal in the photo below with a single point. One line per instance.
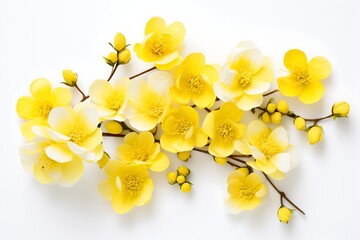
(256, 153)
(282, 161)
(247, 102)
(160, 82)
(98, 91)
(280, 136)
(257, 87)
(59, 152)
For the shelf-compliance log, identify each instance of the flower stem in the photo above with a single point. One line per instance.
(113, 70)
(139, 74)
(84, 97)
(269, 93)
(283, 195)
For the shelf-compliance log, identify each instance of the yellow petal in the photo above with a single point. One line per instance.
(92, 140)
(155, 24)
(88, 118)
(289, 87)
(61, 96)
(167, 142)
(319, 68)
(40, 87)
(71, 172)
(295, 60)
(99, 91)
(107, 188)
(247, 102)
(209, 74)
(121, 203)
(27, 108)
(113, 168)
(177, 30)
(233, 205)
(229, 110)
(252, 58)
(220, 148)
(262, 191)
(266, 72)
(277, 175)
(256, 131)
(42, 176)
(280, 137)
(312, 92)
(201, 139)
(146, 141)
(146, 193)
(253, 180)
(26, 127)
(266, 166)
(62, 119)
(181, 96)
(59, 152)
(160, 163)
(249, 204)
(205, 98)
(209, 124)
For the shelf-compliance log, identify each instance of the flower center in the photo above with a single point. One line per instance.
(44, 109)
(246, 192)
(195, 84)
(244, 76)
(301, 77)
(115, 101)
(46, 163)
(184, 128)
(77, 134)
(139, 154)
(268, 147)
(224, 131)
(154, 104)
(159, 47)
(133, 184)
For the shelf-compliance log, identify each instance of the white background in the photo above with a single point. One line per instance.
(40, 38)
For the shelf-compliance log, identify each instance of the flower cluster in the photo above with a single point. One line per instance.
(179, 105)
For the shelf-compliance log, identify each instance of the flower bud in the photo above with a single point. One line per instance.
(300, 123)
(271, 107)
(315, 134)
(124, 56)
(284, 214)
(185, 187)
(282, 106)
(184, 156)
(341, 109)
(119, 42)
(276, 117)
(171, 176)
(70, 77)
(265, 117)
(113, 127)
(220, 160)
(180, 179)
(183, 170)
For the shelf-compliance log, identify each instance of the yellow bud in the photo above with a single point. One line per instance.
(300, 123)
(282, 107)
(183, 170)
(180, 179)
(112, 57)
(341, 109)
(119, 42)
(124, 56)
(276, 117)
(104, 160)
(171, 176)
(70, 77)
(284, 214)
(315, 134)
(271, 107)
(265, 117)
(113, 127)
(184, 156)
(220, 160)
(185, 187)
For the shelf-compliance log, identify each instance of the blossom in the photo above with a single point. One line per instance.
(305, 77)
(70, 77)
(161, 44)
(300, 123)
(141, 149)
(110, 99)
(284, 214)
(315, 134)
(267, 147)
(73, 132)
(149, 100)
(225, 131)
(48, 170)
(181, 130)
(246, 190)
(341, 109)
(194, 81)
(36, 107)
(119, 42)
(185, 187)
(245, 77)
(126, 186)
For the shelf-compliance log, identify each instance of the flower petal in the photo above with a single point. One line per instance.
(289, 87)
(282, 162)
(319, 68)
(71, 172)
(107, 188)
(121, 203)
(99, 91)
(177, 30)
(312, 92)
(280, 137)
(160, 163)
(295, 60)
(40, 87)
(27, 107)
(155, 24)
(59, 152)
(247, 102)
(61, 119)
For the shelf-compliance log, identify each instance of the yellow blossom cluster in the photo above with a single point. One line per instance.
(180, 105)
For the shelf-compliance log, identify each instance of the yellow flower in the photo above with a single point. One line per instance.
(149, 100)
(194, 81)
(124, 56)
(48, 170)
(341, 109)
(223, 127)
(185, 187)
(70, 77)
(267, 147)
(140, 149)
(127, 186)
(300, 123)
(74, 132)
(304, 79)
(315, 134)
(119, 41)
(284, 214)
(246, 190)
(110, 100)
(36, 107)
(181, 130)
(161, 44)
(245, 77)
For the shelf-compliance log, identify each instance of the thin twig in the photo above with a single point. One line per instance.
(139, 74)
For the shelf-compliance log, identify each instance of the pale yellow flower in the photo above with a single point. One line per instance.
(245, 77)
(47, 170)
(36, 107)
(110, 99)
(149, 100)
(225, 130)
(162, 44)
(268, 148)
(141, 149)
(181, 130)
(246, 190)
(127, 186)
(73, 132)
(194, 81)
(305, 77)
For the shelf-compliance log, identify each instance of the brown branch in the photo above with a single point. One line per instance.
(139, 74)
